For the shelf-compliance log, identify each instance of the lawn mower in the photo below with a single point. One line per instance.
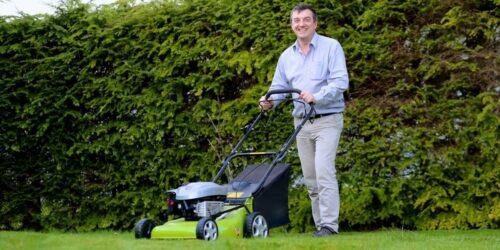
(248, 206)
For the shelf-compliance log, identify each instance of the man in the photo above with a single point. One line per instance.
(315, 65)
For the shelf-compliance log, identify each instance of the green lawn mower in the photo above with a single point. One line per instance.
(248, 206)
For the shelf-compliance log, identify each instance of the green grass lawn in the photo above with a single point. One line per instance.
(387, 239)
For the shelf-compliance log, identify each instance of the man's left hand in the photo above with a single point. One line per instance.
(307, 97)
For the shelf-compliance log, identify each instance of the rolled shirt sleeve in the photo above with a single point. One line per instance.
(337, 77)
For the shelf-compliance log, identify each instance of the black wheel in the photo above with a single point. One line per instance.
(255, 226)
(207, 229)
(143, 228)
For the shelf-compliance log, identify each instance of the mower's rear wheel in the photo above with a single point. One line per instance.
(256, 226)
(207, 229)
(143, 228)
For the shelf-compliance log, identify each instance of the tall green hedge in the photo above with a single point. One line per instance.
(103, 109)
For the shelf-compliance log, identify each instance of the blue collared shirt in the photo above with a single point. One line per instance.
(322, 72)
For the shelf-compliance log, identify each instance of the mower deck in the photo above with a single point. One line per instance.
(229, 225)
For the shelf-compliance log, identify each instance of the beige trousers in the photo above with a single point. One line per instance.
(317, 146)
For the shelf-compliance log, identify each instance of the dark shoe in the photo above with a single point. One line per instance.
(324, 231)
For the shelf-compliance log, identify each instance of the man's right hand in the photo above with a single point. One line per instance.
(265, 104)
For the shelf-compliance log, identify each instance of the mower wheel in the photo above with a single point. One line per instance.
(143, 228)
(255, 226)
(207, 229)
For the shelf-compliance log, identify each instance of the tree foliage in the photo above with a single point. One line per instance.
(104, 109)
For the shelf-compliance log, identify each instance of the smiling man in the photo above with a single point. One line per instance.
(315, 64)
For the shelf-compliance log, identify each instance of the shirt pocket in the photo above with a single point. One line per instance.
(318, 71)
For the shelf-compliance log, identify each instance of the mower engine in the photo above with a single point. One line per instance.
(209, 208)
(195, 200)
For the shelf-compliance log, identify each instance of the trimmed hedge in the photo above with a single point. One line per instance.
(104, 109)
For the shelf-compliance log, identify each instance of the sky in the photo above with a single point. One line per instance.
(32, 7)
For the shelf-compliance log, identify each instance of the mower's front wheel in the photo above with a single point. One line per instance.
(256, 226)
(143, 228)
(207, 229)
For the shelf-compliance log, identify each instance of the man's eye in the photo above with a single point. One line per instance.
(307, 19)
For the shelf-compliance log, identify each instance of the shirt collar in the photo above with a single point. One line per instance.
(314, 42)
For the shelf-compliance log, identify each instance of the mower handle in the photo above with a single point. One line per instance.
(278, 155)
(282, 91)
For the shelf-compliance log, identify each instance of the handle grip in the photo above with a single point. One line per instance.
(282, 91)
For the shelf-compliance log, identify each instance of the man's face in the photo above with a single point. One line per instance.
(303, 24)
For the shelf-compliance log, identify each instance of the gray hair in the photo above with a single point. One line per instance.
(299, 8)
